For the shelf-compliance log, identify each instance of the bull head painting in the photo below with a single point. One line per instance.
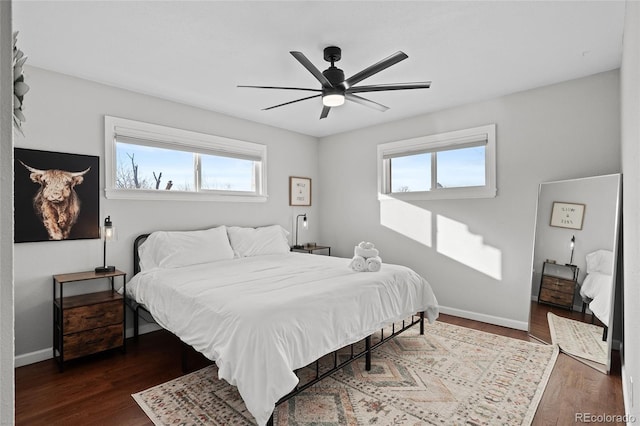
(56, 202)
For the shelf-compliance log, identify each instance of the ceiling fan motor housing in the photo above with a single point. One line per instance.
(335, 75)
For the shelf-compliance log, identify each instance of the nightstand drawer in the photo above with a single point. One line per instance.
(559, 285)
(556, 297)
(92, 341)
(92, 316)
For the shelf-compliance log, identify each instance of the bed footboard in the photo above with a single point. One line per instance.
(406, 324)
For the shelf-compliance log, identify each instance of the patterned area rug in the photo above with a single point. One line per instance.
(451, 375)
(580, 340)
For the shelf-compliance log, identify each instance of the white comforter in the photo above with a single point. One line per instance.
(259, 318)
(598, 284)
(598, 287)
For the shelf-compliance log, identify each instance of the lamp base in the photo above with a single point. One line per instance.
(103, 269)
(297, 246)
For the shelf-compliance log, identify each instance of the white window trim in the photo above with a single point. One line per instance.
(458, 138)
(200, 142)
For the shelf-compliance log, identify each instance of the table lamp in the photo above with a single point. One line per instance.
(304, 223)
(108, 234)
(572, 244)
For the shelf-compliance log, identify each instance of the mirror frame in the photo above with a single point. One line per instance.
(614, 249)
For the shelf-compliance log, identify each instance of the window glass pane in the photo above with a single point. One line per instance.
(411, 173)
(461, 167)
(136, 165)
(226, 174)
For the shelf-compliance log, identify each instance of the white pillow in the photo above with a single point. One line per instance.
(258, 241)
(600, 261)
(173, 249)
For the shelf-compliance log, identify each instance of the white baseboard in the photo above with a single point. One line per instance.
(33, 357)
(490, 319)
(45, 354)
(626, 391)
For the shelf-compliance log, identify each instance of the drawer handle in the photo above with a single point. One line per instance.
(93, 317)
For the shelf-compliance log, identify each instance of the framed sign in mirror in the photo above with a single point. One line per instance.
(567, 215)
(299, 191)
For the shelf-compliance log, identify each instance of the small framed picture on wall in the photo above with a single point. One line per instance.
(567, 215)
(299, 191)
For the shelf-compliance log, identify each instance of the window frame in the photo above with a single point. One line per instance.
(458, 139)
(155, 135)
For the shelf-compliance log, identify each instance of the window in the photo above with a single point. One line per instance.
(148, 161)
(459, 164)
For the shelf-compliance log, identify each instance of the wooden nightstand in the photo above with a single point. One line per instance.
(311, 249)
(87, 323)
(558, 285)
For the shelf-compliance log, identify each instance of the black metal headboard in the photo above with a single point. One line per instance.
(136, 256)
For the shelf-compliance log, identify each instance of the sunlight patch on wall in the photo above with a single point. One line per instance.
(455, 241)
(407, 219)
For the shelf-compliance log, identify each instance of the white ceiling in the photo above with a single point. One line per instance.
(197, 53)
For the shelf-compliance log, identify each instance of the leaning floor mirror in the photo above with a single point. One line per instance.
(574, 267)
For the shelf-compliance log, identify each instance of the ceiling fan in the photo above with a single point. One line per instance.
(335, 88)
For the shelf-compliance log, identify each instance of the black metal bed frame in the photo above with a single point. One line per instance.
(406, 324)
(337, 365)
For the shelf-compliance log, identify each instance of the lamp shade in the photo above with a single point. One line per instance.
(333, 100)
(108, 230)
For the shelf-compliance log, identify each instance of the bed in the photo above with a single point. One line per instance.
(597, 288)
(260, 312)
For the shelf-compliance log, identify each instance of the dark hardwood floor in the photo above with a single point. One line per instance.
(540, 326)
(97, 390)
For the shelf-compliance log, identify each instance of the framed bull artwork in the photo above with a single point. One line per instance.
(56, 196)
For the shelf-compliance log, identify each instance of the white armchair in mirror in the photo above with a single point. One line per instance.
(573, 270)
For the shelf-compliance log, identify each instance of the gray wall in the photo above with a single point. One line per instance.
(476, 253)
(66, 114)
(630, 101)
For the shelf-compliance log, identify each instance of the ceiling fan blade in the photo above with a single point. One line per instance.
(311, 68)
(285, 88)
(291, 102)
(325, 112)
(366, 102)
(383, 87)
(375, 68)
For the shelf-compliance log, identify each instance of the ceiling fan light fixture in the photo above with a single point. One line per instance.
(333, 100)
(335, 89)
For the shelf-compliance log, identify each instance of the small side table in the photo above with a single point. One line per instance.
(558, 285)
(87, 323)
(311, 249)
